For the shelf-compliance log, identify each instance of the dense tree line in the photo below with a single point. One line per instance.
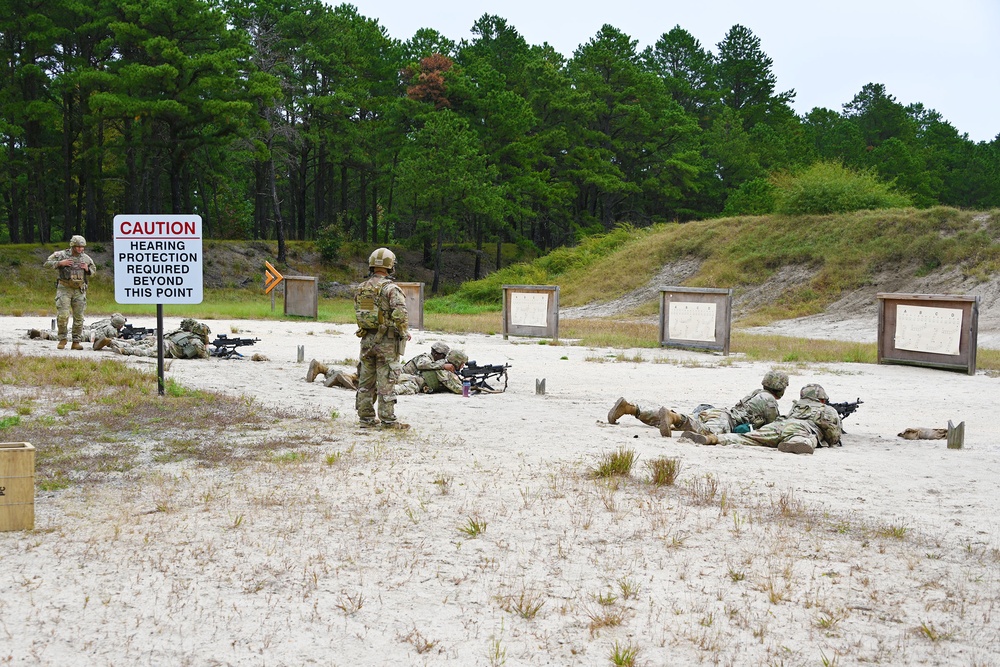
(291, 119)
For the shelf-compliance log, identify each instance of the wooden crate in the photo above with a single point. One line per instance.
(17, 486)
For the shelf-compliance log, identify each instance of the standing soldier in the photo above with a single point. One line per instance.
(380, 309)
(74, 268)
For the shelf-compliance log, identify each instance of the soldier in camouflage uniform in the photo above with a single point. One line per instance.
(188, 342)
(380, 309)
(811, 424)
(74, 268)
(445, 378)
(109, 327)
(758, 408)
(433, 361)
(438, 369)
(408, 384)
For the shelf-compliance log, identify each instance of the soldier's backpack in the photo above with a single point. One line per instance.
(187, 344)
(366, 310)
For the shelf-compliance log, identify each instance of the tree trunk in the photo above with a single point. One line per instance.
(437, 260)
(67, 195)
(343, 199)
(13, 203)
(479, 250)
(259, 201)
(375, 214)
(131, 173)
(363, 198)
(279, 223)
(320, 219)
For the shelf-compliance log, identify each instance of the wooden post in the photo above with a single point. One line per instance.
(956, 435)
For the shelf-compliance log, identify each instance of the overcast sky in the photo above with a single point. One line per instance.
(943, 53)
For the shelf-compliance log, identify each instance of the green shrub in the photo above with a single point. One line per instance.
(329, 240)
(756, 197)
(829, 187)
(542, 271)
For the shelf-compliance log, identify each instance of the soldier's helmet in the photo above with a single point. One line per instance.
(187, 323)
(815, 392)
(382, 257)
(200, 329)
(77, 240)
(457, 358)
(775, 381)
(117, 320)
(440, 348)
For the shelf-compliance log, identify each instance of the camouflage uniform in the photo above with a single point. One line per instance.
(408, 384)
(756, 409)
(424, 362)
(380, 350)
(104, 328)
(810, 424)
(71, 289)
(179, 344)
(442, 379)
(43, 334)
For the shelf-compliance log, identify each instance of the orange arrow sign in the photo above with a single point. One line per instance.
(271, 277)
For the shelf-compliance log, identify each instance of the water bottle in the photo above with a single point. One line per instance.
(466, 386)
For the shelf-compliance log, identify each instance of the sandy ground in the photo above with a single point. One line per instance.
(365, 551)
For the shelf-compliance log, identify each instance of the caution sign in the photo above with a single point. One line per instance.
(158, 259)
(271, 277)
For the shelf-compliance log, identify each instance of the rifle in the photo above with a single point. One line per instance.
(225, 347)
(478, 375)
(129, 332)
(846, 409)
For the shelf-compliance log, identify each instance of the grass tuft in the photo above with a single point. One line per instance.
(474, 527)
(663, 471)
(618, 463)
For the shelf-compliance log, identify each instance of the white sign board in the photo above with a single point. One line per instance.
(158, 259)
(530, 310)
(692, 321)
(923, 329)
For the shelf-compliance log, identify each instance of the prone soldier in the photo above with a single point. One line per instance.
(756, 409)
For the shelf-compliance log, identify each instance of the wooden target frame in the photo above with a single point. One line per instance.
(696, 317)
(530, 310)
(933, 330)
(414, 293)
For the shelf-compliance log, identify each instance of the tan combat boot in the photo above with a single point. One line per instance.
(34, 333)
(396, 426)
(698, 438)
(342, 379)
(61, 345)
(102, 343)
(795, 448)
(76, 345)
(621, 408)
(315, 368)
(668, 419)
